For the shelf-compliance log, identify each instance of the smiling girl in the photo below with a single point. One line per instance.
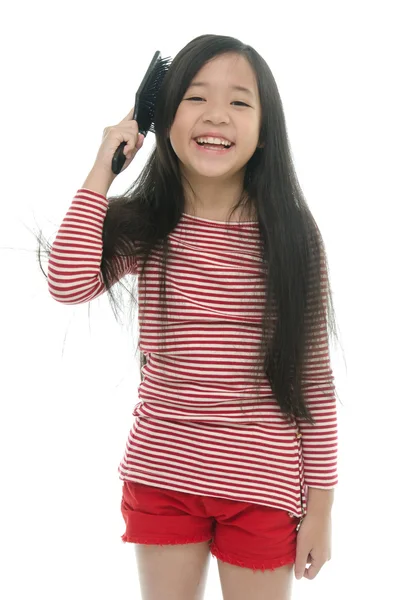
(233, 448)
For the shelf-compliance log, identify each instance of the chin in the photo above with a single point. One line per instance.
(213, 172)
(207, 170)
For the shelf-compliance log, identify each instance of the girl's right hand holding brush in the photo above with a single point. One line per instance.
(126, 131)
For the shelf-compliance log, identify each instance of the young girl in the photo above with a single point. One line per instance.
(233, 449)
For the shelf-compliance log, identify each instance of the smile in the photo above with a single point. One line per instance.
(213, 150)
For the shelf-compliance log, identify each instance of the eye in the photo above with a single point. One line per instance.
(235, 101)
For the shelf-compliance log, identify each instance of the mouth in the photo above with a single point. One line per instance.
(212, 148)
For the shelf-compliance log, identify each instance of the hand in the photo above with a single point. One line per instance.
(126, 131)
(313, 544)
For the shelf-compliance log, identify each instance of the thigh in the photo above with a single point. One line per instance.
(175, 572)
(253, 536)
(241, 583)
(256, 550)
(171, 533)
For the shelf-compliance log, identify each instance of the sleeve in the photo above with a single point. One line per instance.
(319, 442)
(74, 273)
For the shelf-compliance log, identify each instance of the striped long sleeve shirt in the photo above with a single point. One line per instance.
(197, 427)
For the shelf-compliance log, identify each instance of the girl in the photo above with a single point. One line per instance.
(233, 449)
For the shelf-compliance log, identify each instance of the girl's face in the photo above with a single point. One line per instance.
(213, 105)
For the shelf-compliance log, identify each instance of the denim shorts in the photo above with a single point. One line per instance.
(241, 533)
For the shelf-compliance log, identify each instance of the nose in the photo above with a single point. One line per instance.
(215, 113)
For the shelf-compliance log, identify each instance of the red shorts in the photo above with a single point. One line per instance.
(241, 533)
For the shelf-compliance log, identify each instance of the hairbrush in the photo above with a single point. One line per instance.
(145, 99)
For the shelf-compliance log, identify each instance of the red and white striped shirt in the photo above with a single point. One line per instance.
(197, 427)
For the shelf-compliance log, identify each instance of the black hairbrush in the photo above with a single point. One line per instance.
(145, 99)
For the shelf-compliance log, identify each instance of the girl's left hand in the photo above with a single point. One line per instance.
(313, 545)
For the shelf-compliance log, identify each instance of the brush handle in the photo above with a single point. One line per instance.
(119, 159)
(155, 70)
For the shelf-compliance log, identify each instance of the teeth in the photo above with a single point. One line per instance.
(211, 140)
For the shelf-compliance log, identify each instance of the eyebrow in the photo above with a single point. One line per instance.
(238, 88)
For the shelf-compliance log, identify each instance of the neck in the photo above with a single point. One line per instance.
(211, 197)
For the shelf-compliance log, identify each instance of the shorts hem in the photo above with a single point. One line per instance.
(130, 539)
(257, 566)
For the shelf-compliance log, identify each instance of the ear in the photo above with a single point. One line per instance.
(260, 145)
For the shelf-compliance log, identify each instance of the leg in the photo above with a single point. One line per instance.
(240, 583)
(172, 572)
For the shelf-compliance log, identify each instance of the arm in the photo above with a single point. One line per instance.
(74, 273)
(320, 501)
(319, 442)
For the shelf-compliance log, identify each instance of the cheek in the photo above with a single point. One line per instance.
(248, 130)
(175, 140)
(178, 132)
(249, 139)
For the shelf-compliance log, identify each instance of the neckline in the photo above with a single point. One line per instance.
(219, 222)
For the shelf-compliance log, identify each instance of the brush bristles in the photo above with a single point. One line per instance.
(156, 82)
(149, 95)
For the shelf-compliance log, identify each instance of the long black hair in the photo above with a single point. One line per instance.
(298, 299)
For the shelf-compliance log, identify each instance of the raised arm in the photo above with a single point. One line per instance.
(74, 274)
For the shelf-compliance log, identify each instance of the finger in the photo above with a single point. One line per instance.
(299, 570)
(311, 573)
(130, 115)
(300, 562)
(314, 568)
(131, 148)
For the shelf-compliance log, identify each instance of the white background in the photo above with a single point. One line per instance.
(346, 73)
